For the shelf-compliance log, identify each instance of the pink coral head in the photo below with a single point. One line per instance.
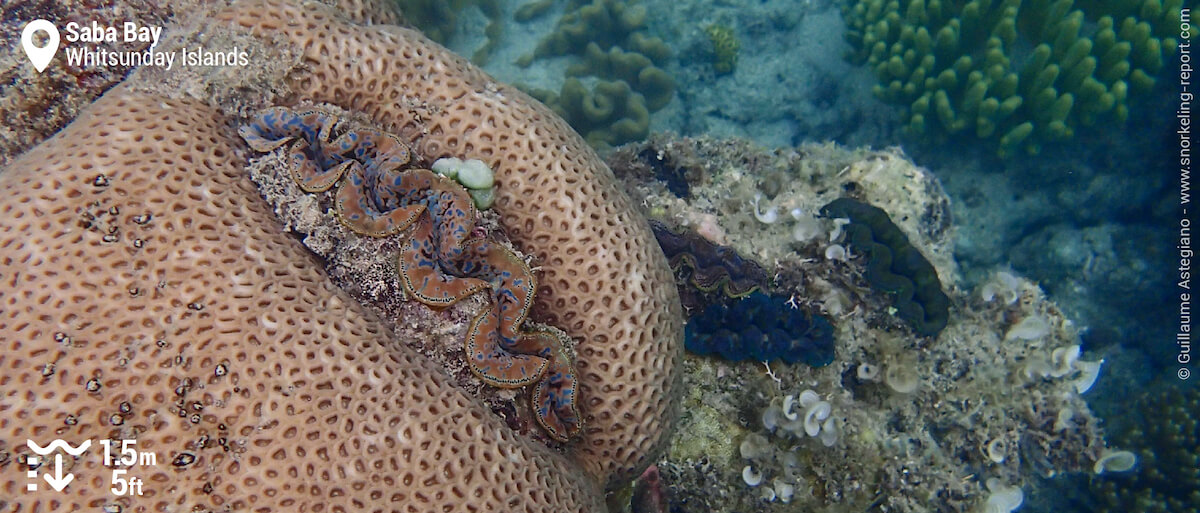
(651, 475)
(649, 494)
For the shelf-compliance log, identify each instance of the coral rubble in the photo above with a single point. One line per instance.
(896, 422)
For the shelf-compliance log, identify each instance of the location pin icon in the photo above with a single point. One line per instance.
(40, 57)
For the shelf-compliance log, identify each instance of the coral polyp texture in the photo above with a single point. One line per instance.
(1165, 429)
(603, 279)
(441, 260)
(151, 295)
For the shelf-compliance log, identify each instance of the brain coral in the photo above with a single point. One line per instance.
(603, 278)
(149, 294)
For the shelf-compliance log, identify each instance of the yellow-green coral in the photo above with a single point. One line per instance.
(607, 23)
(633, 68)
(608, 114)
(725, 47)
(957, 65)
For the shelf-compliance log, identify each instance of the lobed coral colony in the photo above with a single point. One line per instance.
(183, 315)
(610, 40)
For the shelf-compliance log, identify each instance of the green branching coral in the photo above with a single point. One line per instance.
(725, 47)
(609, 38)
(1019, 74)
(894, 266)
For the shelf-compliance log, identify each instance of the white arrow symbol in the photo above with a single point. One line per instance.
(58, 481)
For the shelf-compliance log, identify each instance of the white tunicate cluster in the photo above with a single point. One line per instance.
(808, 414)
(835, 301)
(996, 450)
(1062, 362)
(807, 226)
(901, 378)
(768, 217)
(779, 490)
(751, 477)
(1030, 328)
(1115, 461)
(765, 458)
(774, 470)
(1003, 498)
(837, 252)
(867, 372)
(838, 223)
(1003, 286)
(755, 446)
(783, 490)
(1089, 372)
